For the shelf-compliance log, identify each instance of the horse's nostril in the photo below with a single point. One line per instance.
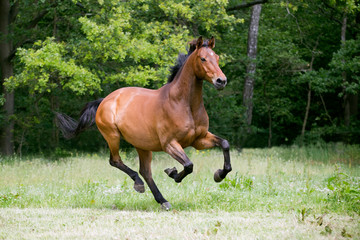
(219, 81)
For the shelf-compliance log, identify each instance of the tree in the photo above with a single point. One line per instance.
(341, 14)
(345, 70)
(251, 67)
(7, 124)
(13, 35)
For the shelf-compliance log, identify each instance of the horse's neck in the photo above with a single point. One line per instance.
(187, 88)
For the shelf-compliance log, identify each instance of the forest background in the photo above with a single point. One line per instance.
(293, 66)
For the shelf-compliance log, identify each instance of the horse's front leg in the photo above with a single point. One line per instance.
(177, 152)
(209, 141)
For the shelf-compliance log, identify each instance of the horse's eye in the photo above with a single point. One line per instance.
(203, 59)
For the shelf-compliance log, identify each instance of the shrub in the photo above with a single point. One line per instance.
(344, 188)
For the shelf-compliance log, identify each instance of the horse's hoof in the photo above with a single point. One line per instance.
(171, 172)
(139, 188)
(217, 177)
(166, 206)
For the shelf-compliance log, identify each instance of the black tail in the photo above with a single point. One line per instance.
(70, 127)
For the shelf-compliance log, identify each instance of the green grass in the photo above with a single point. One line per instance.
(300, 193)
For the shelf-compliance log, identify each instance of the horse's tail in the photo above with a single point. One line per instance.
(71, 128)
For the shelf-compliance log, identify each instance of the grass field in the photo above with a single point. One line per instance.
(278, 193)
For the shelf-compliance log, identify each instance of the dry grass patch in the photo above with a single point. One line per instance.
(113, 224)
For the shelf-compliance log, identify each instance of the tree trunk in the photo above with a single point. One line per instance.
(308, 103)
(268, 103)
(270, 129)
(344, 77)
(251, 67)
(350, 100)
(7, 127)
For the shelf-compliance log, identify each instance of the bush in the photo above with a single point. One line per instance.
(238, 182)
(344, 188)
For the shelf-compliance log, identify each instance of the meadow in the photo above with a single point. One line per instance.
(293, 192)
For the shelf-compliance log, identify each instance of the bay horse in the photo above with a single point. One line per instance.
(168, 119)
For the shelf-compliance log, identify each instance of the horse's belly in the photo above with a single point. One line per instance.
(141, 138)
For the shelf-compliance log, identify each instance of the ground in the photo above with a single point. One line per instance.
(278, 193)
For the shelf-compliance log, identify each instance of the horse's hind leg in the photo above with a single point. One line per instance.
(145, 171)
(115, 161)
(113, 141)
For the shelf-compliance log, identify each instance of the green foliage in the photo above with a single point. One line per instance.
(347, 60)
(345, 5)
(82, 50)
(133, 42)
(243, 183)
(94, 47)
(141, 40)
(344, 188)
(2, 100)
(46, 68)
(225, 114)
(142, 50)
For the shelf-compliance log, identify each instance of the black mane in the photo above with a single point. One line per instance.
(174, 70)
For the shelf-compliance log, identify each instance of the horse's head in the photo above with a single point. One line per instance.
(207, 64)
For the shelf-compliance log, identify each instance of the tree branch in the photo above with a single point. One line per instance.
(37, 19)
(13, 12)
(40, 15)
(246, 5)
(19, 44)
(31, 24)
(326, 111)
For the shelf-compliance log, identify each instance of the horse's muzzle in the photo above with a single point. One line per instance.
(220, 83)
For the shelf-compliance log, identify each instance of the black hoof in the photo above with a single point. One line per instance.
(171, 172)
(217, 177)
(139, 188)
(166, 206)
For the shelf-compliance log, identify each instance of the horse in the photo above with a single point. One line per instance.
(167, 119)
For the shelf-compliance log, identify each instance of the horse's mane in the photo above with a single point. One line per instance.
(174, 70)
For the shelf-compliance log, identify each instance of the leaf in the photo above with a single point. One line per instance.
(320, 220)
(328, 229)
(345, 234)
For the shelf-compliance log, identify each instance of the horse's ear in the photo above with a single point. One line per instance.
(192, 46)
(212, 42)
(199, 42)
